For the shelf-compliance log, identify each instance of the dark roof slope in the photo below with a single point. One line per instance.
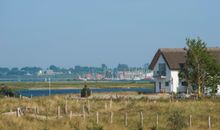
(176, 56)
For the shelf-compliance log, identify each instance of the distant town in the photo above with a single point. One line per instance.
(78, 73)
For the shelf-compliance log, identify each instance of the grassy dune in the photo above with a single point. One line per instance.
(200, 110)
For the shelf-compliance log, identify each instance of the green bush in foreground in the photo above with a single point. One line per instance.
(95, 128)
(176, 121)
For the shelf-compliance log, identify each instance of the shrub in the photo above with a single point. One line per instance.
(85, 92)
(156, 128)
(176, 121)
(95, 128)
(6, 91)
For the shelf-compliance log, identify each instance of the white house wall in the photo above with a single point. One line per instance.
(175, 80)
(168, 76)
(218, 92)
(172, 76)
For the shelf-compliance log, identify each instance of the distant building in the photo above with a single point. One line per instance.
(49, 72)
(40, 72)
(89, 76)
(133, 75)
(100, 76)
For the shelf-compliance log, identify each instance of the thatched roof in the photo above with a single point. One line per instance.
(176, 56)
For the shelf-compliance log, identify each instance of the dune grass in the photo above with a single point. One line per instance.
(200, 110)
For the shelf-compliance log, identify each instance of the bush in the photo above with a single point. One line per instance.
(85, 92)
(176, 120)
(156, 128)
(6, 91)
(95, 128)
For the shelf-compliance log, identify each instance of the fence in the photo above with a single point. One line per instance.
(87, 113)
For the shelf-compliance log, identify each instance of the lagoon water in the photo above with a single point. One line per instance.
(45, 92)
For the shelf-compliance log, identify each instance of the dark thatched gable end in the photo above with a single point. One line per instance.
(176, 56)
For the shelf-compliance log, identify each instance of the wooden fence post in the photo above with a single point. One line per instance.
(66, 107)
(209, 120)
(58, 112)
(84, 113)
(111, 117)
(71, 114)
(38, 110)
(110, 104)
(142, 119)
(106, 107)
(18, 112)
(126, 119)
(157, 120)
(88, 105)
(83, 108)
(35, 110)
(97, 117)
(190, 120)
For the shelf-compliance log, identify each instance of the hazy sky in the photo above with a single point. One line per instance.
(91, 32)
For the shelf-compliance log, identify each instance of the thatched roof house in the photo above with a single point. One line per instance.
(166, 65)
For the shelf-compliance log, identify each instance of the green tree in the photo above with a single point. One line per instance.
(200, 65)
(213, 78)
(54, 68)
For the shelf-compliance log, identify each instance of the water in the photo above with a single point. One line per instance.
(45, 92)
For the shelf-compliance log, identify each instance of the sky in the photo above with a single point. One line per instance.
(91, 32)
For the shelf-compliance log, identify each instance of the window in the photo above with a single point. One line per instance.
(167, 83)
(162, 69)
(184, 83)
(182, 65)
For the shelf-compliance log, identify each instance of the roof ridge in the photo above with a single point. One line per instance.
(171, 49)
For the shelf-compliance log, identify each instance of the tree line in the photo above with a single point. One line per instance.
(103, 69)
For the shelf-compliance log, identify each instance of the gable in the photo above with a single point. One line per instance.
(172, 57)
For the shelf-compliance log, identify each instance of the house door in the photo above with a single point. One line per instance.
(160, 86)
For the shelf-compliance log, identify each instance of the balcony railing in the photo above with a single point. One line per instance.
(160, 74)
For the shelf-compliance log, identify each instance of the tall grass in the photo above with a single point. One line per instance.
(200, 110)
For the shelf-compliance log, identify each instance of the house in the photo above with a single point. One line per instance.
(166, 65)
